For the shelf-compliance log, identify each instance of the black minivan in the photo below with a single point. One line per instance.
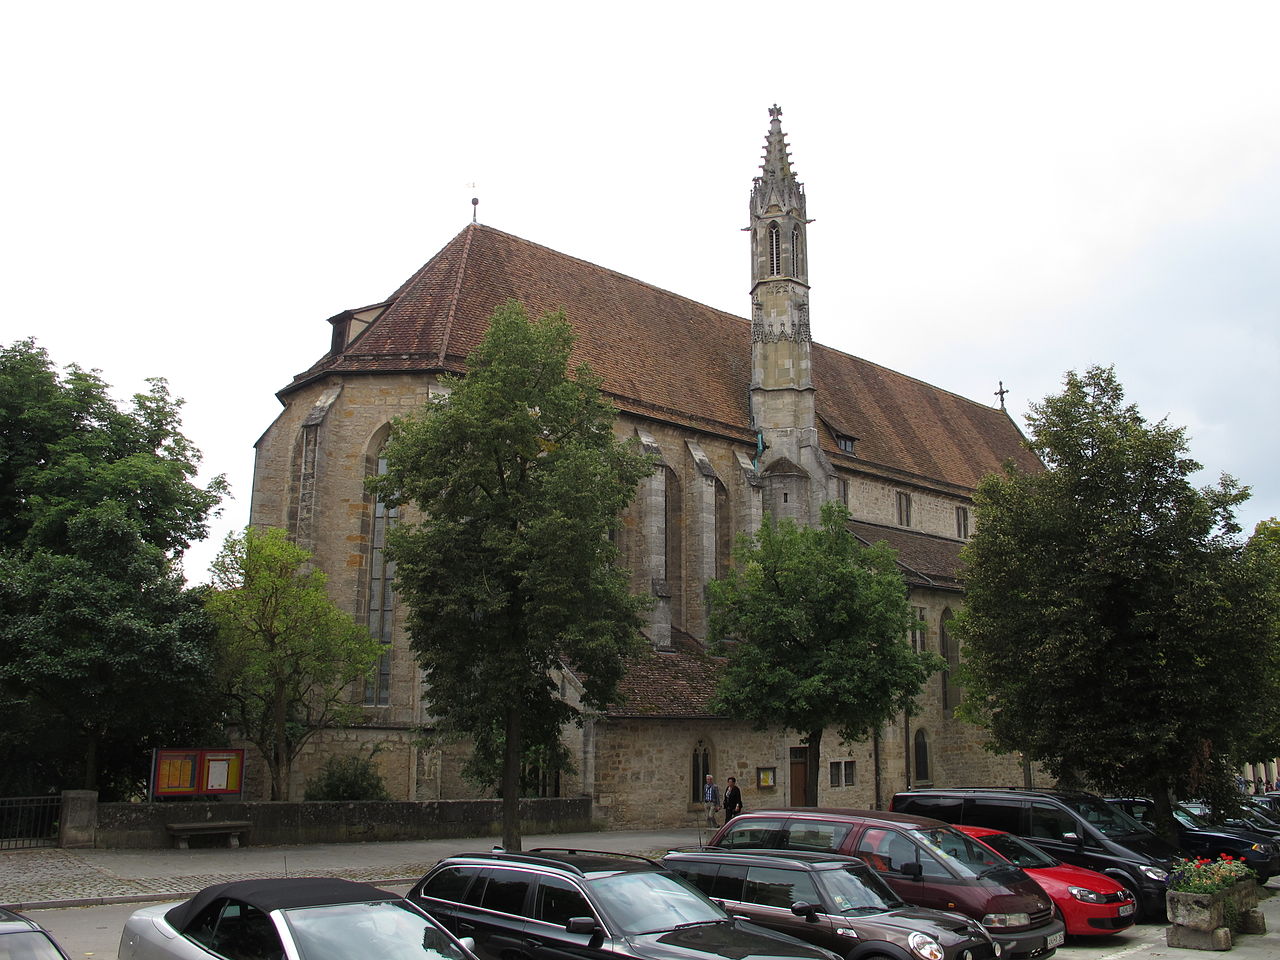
(1075, 827)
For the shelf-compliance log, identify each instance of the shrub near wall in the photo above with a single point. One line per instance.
(142, 825)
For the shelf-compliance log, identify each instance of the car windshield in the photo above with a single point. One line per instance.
(963, 854)
(857, 890)
(1189, 818)
(1107, 819)
(387, 929)
(30, 945)
(1018, 852)
(651, 902)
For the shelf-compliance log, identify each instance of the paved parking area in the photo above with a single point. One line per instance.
(50, 878)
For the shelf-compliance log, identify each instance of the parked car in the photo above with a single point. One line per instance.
(555, 904)
(307, 918)
(836, 902)
(924, 861)
(1090, 903)
(1249, 818)
(1206, 839)
(1078, 828)
(1263, 814)
(21, 938)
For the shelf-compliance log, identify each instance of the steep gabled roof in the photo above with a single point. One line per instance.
(664, 356)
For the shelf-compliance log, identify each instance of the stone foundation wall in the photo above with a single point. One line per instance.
(142, 825)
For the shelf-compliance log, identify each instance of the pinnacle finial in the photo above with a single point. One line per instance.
(775, 111)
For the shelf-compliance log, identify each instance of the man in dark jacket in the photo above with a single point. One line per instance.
(732, 800)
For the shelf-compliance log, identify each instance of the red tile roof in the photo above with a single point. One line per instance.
(678, 683)
(664, 356)
(925, 560)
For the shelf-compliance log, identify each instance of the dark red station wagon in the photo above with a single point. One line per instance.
(927, 862)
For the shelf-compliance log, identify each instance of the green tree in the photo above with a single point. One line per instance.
(819, 624)
(1262, 739)
(287, 654)
(1112, 628)
(511, 572)
(103, 652)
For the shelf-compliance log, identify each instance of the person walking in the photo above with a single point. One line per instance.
(711, 799)
(732, 799)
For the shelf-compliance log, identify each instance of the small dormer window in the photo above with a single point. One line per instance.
(844, 443)
(775, 250)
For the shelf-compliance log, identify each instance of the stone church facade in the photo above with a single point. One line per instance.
(745, 418)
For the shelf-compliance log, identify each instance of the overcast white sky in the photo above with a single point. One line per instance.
(1002, 191)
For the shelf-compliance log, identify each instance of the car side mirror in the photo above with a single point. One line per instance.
(912, 870)
(585, 925)
(1072, 838)
(807, 910)
(469, 943)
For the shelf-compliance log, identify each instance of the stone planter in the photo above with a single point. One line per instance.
(1206, 921)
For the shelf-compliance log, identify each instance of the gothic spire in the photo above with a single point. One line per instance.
(777, 186)
(777, 161)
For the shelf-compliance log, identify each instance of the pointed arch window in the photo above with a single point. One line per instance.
(797, 239)
(922, 758)
(377, 686)
(699, 767)
(775, 250)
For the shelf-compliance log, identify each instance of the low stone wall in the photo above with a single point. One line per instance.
(142, 825)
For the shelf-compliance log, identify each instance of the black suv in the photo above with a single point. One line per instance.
(1206, 839)
(836, 902)
(552, 904)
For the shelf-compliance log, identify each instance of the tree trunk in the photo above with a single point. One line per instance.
(90, 779)
(279, 749)
(511, 780)
(812, 742)
(1165, 825)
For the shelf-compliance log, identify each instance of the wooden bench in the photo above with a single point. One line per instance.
(183, 832)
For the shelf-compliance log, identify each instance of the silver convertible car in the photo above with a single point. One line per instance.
(306, 918)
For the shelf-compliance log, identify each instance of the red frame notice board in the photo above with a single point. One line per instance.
(195, 772)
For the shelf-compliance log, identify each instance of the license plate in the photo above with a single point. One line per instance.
(1054, 940)
(1126, 909)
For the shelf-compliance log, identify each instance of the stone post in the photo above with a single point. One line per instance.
(78, 825)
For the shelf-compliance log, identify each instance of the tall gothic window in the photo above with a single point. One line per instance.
(775, 250)
(795, 252)
(949, 648)
(922, 758)
(382, 573)
(699, 767)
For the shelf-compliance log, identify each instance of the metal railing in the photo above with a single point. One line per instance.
(29, 822)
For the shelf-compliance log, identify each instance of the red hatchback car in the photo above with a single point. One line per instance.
(1090, 903)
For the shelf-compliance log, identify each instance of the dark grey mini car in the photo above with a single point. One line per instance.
(555, 904)
(21, 938)
(836, 902)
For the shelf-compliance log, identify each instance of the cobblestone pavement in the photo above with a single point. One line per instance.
(49, 876)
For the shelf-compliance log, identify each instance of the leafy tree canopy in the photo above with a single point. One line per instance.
(1112, 628)
(288, 655)
(510, 572)
(103, 653)
(820, 625)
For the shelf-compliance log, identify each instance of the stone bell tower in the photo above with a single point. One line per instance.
(792, 466)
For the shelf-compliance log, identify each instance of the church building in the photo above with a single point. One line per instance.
(746, 418)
